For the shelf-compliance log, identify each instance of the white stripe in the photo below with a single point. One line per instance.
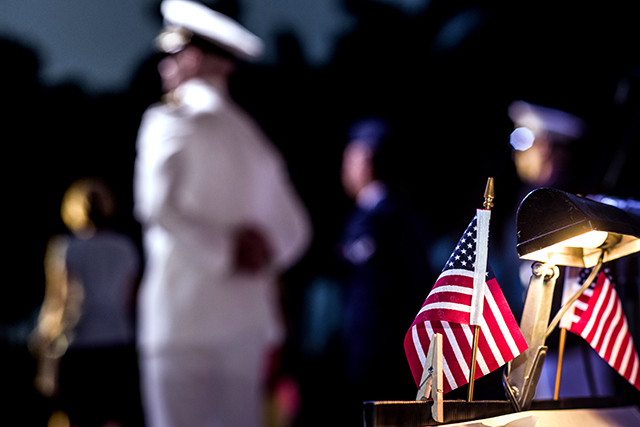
(624, 331)
(456, 349)
(627, 356)
(479, 357)
(445, 366)
(418, 346)
(451, 288)
(572, 285)
(634, 371)
(492, 343)
(594, 316)
(580, 305)
(567, 319)
(480, 267)
(571, 277)
(504, 329)
(456, 272)
(603, 319)
(611, 326)
(446, 305)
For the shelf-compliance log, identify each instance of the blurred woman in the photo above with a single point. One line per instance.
(85, 338)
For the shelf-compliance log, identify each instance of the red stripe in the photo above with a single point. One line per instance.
(484, 349)
(412, 356)
(452, 361)
(507, 315)
(584, 299)
(454, 279)
(617, 329)
(617, 364)
(492, 325)
(450, 297)
(633, 359)
(606, 294)
(597, 333)
(463, 341)
(579, 326)
(487, 353)
(451, 316)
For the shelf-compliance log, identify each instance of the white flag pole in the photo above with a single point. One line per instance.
(479, 277)
(480, 268)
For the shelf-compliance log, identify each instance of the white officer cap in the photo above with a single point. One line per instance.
(562, 126)
(185, 19)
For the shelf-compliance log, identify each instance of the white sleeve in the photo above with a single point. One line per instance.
(275, 204)
(290, 226)
(210, 174)
(163, 183)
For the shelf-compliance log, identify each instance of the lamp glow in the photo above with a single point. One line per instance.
(591, 240)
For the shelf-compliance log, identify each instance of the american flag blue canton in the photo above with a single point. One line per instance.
(585, 272)
(464, 254)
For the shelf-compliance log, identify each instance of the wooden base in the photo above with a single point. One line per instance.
(418, 414)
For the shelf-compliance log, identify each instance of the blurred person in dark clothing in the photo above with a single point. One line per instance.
(384, 246)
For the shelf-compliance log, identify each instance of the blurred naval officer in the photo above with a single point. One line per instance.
(221, 220)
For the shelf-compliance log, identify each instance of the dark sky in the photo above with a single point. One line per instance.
(446, 73)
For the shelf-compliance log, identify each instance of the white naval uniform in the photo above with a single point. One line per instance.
(204, 168)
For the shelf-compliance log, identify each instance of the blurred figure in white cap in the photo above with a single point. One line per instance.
(221, 221)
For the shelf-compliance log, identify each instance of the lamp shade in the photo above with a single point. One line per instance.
(549, 221)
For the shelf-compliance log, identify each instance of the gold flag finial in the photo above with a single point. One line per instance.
(489, 194)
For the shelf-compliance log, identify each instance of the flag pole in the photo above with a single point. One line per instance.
(563, 336)
(489, 195)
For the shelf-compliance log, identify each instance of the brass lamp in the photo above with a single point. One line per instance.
(557, 228)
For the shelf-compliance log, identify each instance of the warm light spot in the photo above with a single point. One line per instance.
(59, 419)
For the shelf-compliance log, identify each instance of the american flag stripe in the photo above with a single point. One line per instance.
(484, 347)
(491, 323)
(421, 341)
(416, 340)
(599, 319)
(580, 306)
(445, 366)
(633, 373)
(455, 344)
(610, 332)
(623, 364)
(496, 345)
(451, 350)
(452, 306)
(447, 311)
(498, 305)
(623, 346)
(592, 315)
(609, 302)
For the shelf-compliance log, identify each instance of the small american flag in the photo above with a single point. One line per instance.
(597, 316)
(446, 311)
